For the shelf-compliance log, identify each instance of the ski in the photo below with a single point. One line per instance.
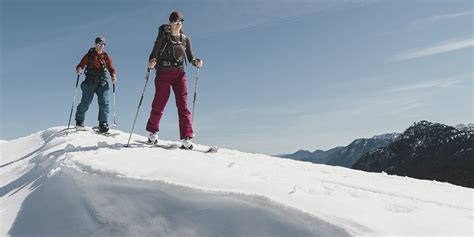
(170, 146)
(73, 130)
(211, 149)
(107, 134)
(173, 146)
(81, 129)
(66, 131)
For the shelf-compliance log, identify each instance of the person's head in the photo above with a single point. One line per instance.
(99, 43)
(176, 21)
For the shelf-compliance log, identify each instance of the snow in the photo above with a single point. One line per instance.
(356, 202)
(465, 127)
(392, 136)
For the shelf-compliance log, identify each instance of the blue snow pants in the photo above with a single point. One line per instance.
(98, 85)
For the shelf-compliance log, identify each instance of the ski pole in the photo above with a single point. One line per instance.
(139, 104)
(113, 103)
(73, 101)
(195, 93)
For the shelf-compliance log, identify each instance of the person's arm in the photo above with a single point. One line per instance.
(82, 64)
(189, 53)
(189, 50)
(111, 68)
(156, 50)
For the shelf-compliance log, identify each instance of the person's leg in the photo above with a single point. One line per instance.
(88, 89)
(102, 91)
(162, 94)
(181, 94)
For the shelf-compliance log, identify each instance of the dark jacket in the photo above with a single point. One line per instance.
(169, 51)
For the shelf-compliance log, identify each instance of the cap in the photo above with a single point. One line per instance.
(99, 40)
(174, 16)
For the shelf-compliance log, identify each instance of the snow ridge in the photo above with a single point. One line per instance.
(374, 203)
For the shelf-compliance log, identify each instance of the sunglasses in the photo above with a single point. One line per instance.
(177, 21)
(101, 44)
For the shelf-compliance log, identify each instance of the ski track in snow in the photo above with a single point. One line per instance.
(44, 155)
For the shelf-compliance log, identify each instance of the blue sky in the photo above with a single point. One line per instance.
(278, 75)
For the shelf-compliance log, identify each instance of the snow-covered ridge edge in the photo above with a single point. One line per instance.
(465, 127)
(315, 189)
(391, 136)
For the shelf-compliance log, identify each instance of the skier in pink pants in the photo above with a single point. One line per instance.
(168, 58)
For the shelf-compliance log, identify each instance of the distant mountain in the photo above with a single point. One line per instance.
(347, 156)
(317, 157)
(321, 157)
(427, 150)
(299, 155)
(343, 156)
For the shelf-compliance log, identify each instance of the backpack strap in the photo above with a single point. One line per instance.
(166, 31)
(89, 59)
(106, 58)
(92, 52)
(184, 39)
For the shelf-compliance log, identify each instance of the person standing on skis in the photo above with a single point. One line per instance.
(96, 62)
(168, 58)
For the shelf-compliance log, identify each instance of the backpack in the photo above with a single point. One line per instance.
(166, 31)
(90, 55)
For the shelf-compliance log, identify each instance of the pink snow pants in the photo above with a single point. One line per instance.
(176, 79)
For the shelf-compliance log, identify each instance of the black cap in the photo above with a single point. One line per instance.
(176, 16)
(100, 40)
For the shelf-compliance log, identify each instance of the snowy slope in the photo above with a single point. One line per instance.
(357, 202)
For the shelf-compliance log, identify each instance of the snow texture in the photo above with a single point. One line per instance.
(83, 184)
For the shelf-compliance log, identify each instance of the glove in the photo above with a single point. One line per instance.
(78, 70)
(152, 63)
(114, 79)
(198, 62)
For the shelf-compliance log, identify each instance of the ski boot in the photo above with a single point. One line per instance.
(80, 126)
(103, 127)
(186, 144)
(153, 138)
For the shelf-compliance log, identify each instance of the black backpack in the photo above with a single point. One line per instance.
(166, 31)
(90, 55)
